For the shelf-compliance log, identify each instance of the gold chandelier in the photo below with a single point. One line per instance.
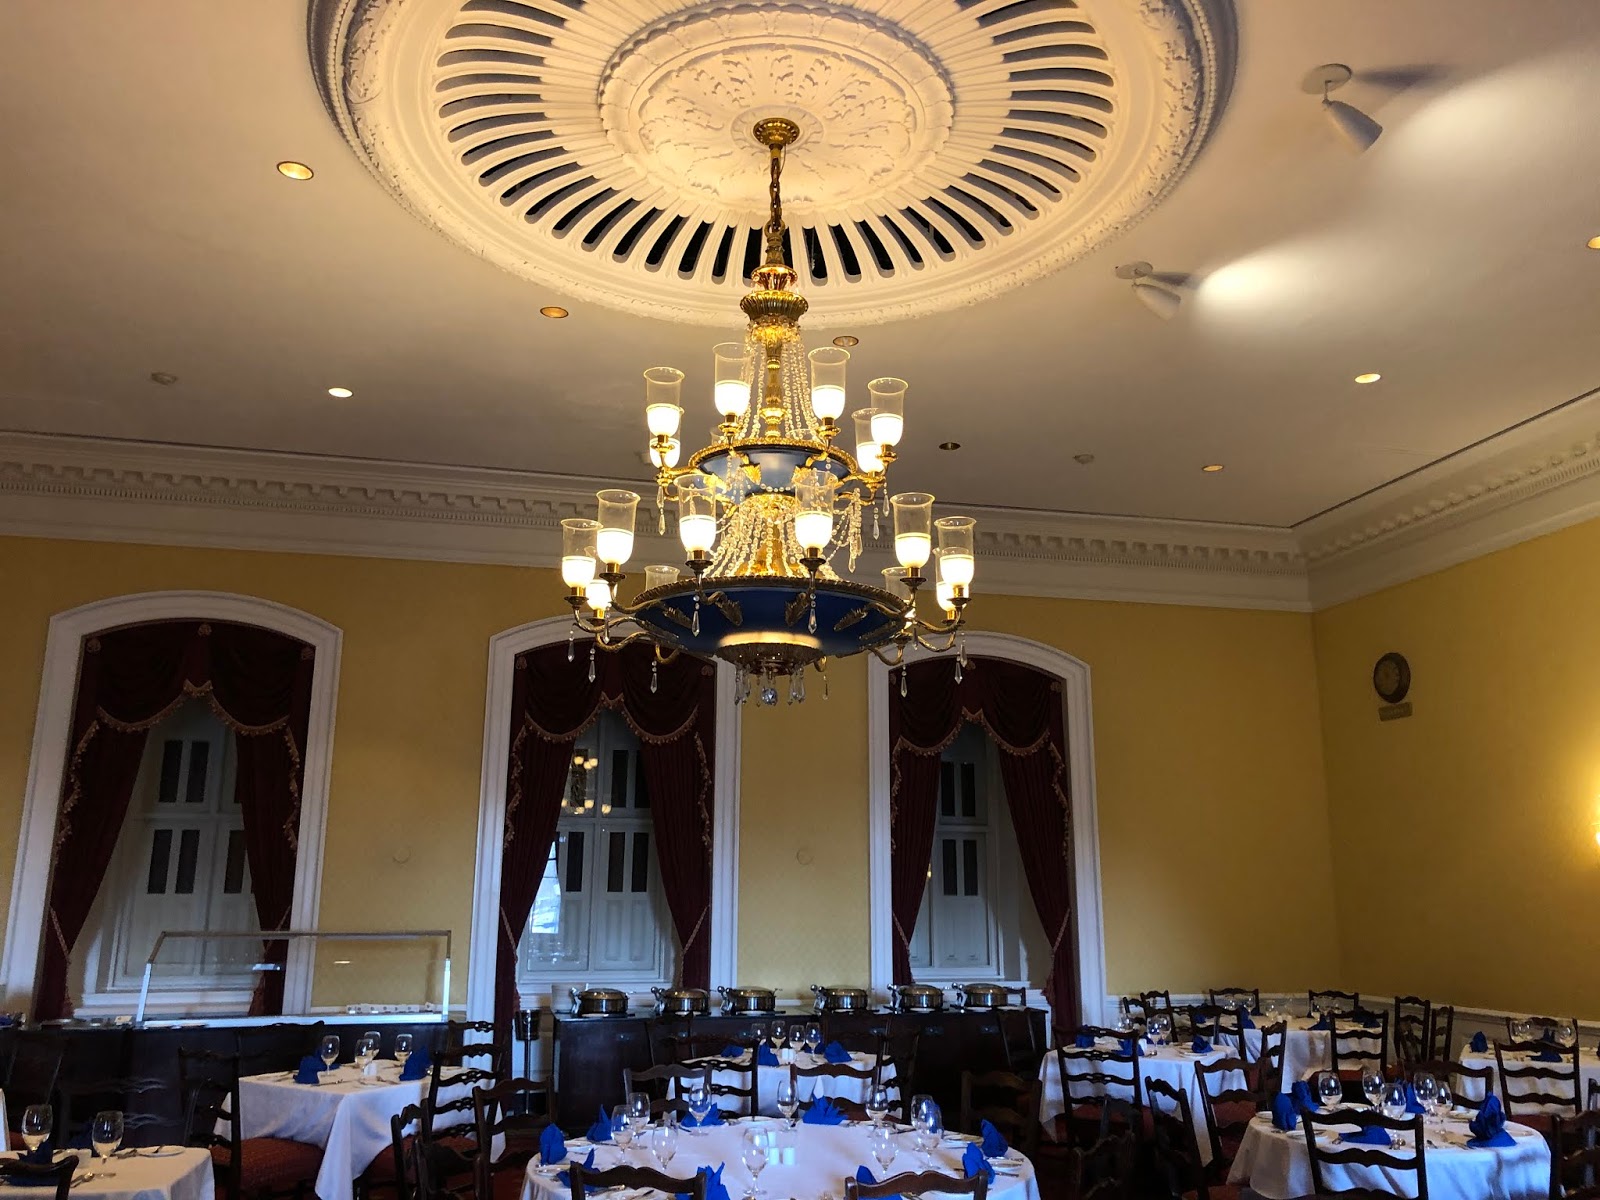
(768, 507)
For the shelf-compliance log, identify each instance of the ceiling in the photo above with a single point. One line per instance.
(144, 230)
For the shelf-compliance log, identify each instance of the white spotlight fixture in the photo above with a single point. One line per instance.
(1357, 129)
(1153, 292)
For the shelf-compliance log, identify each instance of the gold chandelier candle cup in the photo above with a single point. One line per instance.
(828, 365)
(814, 492)
(731, 389)
(578, 551)
(887, 398)
(697, 514)
(957, 563)
(869, 455)
(618, 510)
(913, 529)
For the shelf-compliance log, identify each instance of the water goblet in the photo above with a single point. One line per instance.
(788, 1100)
(36, 1122)
(622, 1129)
(1566, 1034)
(797, 1036)
(105, 1135)
(639, 1109)
(402, 1048)
(813, 1036)
(775, 1035)
(1427, 1090)
(881, 1139)
(367, 1047)
(1394, 1101)
(666, 1143)
(753, 1153)
(1372, 1087)
(699, 1100)
(328, 1049)
(1329, 1089)
(1444, 1100)
(877, 1104)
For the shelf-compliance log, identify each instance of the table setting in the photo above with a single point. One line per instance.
(1307, 1040)
(801, 1045)
(107, 1170)
(1479, 1052)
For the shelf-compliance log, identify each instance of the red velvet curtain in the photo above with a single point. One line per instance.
(1021, 709)
(552, 702)
(259, 684)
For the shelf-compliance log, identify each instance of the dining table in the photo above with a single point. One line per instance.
(1276, 1165)
(146, 1173)
(814, 1161)
(1473, 1089)
(1306, 1048)
(1172, 1064)
(838, 1087)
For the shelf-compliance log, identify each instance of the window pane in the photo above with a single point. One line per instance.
(575, 862)
(194, 791)
(947, 789)
(233, 871)
(949, 873)
(160, 856)
(969, 789)
(616, 852)
(171, 768)
(641, 862)
(641, 794)
(188, 854)
(969, 865)
(619, 779)
(546, 915)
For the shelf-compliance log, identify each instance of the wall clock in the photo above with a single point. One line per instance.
(1391, 677)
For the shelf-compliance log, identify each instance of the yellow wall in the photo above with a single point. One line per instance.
(1206, 735)
(1464, 836)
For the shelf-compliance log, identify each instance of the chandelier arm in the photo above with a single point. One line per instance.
(896, 661)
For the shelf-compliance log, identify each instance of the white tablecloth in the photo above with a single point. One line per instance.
(839, 1087)
(1173, 1065)
(185, 1175)
(1305, 1050)
(5, 1125)
(347, 1117)
(825, 1155)
(1276, 1166)
(1588, 1069)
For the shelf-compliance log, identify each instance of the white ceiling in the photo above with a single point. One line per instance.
(144, 229)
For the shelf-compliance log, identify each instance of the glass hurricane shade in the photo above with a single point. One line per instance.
(614, 541)
(663, 390)
(814, 498)
(945, 593)
(697, 513)
(888, 405)
(731, 391)
(663, 419)
(598, 593)
(913, 527)
(868, 457)
(659, 576)
(828, 365)
(957, 563)
(894, 582)
(578, 550)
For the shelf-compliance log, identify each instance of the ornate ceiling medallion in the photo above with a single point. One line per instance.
(951, 150)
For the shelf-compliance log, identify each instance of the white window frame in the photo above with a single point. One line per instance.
(503, 650)
(1073, 673)
(30, 880)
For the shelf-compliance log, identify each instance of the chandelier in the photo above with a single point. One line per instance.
(769, 507)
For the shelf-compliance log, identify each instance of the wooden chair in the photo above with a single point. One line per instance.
(1228, 1109)
(1406, 1157)
(1174, 1148)
(1453, 1073)
(914, 1183)
(1156, 1001)
(665, 1085)
(1019, 1044)
(853, 1109)
(516, 1112)
(463, 1063)
(1413, 1029)
(1441, 1031)
(33, 1174)
(1197, 1020)
(1335, 1001)
(749, 1092)
(1107, 1171)
(244, 1168)
(636, 1178)
(1356, 1048)
(1575, 1156)
(1135, 1009)
(1090, 1080)
(1541, 1086)
(1269, 1064)
(420, 1171)
(1234, 997)
(1007, 1101)
(900, 1048)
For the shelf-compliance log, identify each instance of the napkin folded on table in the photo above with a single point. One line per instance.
(823, 1112)
(973, 1163)
(418, 1066)
(715, 1188)
(1132, 1046)
(994, 1144)
(765, 1056)
(835, 1053)
(1284, 1116)
(1549, 1035)
(552, 1146)
(1083, 1042)
(1244, 1020)
(1549, 1055)
(1479, 1043)
(1304, 1099)
(1413, 1105)
(310, 1070)
(1371, 1136)
(1323, 1024)
(1489, 1126)
(714, 1117)
(1200, 1045)
(732, 1050)
(863, 1176)
(565, 1177)
(600, 1131)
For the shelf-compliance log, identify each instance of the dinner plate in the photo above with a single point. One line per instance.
(161, 1152)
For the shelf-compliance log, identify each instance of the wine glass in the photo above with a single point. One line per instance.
(328, 1049)
(36, 1122)
(788, 1100)
(367, 1046)
(639, 1109)
(1394, 1101)
(775, 1035)
(924, 1113)
(666, 1143)
(1372, 1087)
(1566, 1033)
(622, 1129)
(402, 1049)
(1444, 1100)
(699, 1100)
(1427, 1089)
(881, 1139)
(877, 1105)
(797, 1036)
(813, 1036)
(105, 1135)
(1329, 1089)
(753, 1153)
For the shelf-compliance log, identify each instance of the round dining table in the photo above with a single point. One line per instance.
(816, 1161)
(1306, 1049)
(839, 1087)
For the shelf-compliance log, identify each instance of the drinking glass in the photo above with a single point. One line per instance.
(402, 1048)
(1372, 1087)
(105, 1135)
(775, 1035)
(1427, 1089)
(813, 1036)
(1444, 1100)
(1394, 1101)
(367, 1047)
(621, 1127)
(881, 1139)
(328, 1049)
(797, 1036)
(666, 1143)
(36, 1122)
(877, 1105)
(924, 1118)
(699, 1099)
(639, 1109)
(1329, 1089)
(1566, 1034)
(753, 1153)
(788, 1101)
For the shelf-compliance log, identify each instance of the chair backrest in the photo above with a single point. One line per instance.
(1095, 1075)
(748, 1091)
(1198, 1020)
(900, 1047)
(1229, 1102)
(1018, 1040)
(16, 1171)
(917, 1183)
(1441, 1030)
(1404, 1157)
(1575, 1156)
(1177, 1153)
(1527, 1086)
(867, 1077)
(1234, 997)
(1356, 1047)
(411, 1179)
(1007, 1101)
(1455, 1075)
(1135, 1009)
(77, 1101)
(512, 1114)
(1413, 1028)
(1334, 1001)
(1156, 1001)
(208, 1091)
(1106, 1171)
(583, 1180)
(462, 1065)
(1269, 1065)
(665, 1085)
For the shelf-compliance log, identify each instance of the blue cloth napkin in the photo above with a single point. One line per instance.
(1489, 1126)
(1479, 1043)
(865, 1176)
(566, 1176)
(973, 1162)
(1549, 1035)
(1304, 1099)
(1550, 1055)
(600, 1131)
(822, 1112)
(714, 1117)
(1371, 1136)
(1323, 1024)
(1200, 1045)
(835, 1053)
(765, 1056)
(1132, 1046)
(1244, 1020)
(715, 1188)
(1284, 1116)
(419, 1065)
(1413, 1105)
(310, 1070)
(552, 1146)
(732, 1051)
(994, 1144)
(1083, 1042)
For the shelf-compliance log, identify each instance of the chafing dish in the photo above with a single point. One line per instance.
(839, 999)
(682, 1002)
(748, 999)
(599, 1002)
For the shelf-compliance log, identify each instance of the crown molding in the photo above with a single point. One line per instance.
(106, 490)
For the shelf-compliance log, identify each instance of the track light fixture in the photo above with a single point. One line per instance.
(1357, 129)
(1156, 292)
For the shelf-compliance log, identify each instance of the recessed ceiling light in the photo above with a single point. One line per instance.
(949, 445)
(553, 311)
(1594, 242)
(340, 393)
(846, 340)
(290, 169)
(1083, 459)
(164, 378)
(1211, 468)
(1368, 377)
